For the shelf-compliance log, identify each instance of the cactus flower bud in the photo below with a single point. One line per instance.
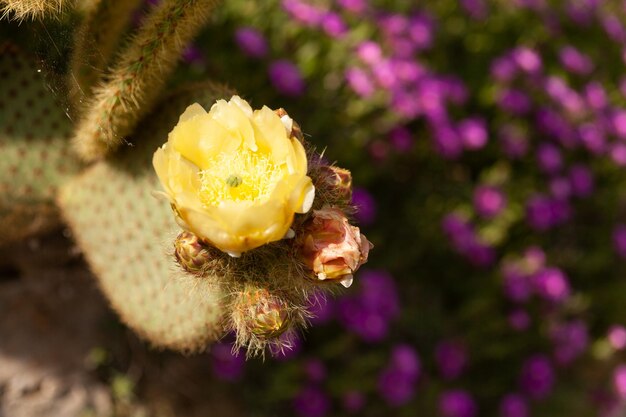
(261, 313)
(191, 254)
(332, 247)
(337, 181)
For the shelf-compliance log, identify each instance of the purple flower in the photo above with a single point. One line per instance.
(379, 293)
(473, 133)
(354, 6)
(457, 403)
(447, 142)
(619, 381)
(333, 25)
(286, 78)
(360, 82)
(369, 52)
(451, 358)
(489, 201)
(385, 74)
(570, 341)
(503, 69)
(581, 180)
(613, 28)
(517, 285)
(311, 402)
(543, 213)
(595, 96)
(353, 401)
(537, 377)
(551, 284)
(405, 358)
(476, 9)
(365, 206)
(549, 158)
(593, 138)
(401, 138)
(617, 337)
(420, 30)
(193, 55)
(405, 104)
(618, 154)
(251, 42)
(226, 365)
(396, 387)
(619, 123)
(513, 405)
(560, 187)
(303, 12)
(514, 101)
(527, 59)
(575, 61)
(619, 240)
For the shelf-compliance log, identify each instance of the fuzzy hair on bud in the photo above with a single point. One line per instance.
(194, 256)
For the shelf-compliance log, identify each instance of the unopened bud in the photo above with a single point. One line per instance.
(191, 254)
(337, 181)
(261, 313)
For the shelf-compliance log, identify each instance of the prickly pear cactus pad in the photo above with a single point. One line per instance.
(239, 183)
(126, 234)
(34, 144)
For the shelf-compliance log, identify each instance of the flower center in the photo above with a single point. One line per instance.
(244, 176)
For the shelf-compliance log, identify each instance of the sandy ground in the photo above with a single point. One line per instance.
(63, 352)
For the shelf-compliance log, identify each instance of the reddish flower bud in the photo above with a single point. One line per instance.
(332, 247)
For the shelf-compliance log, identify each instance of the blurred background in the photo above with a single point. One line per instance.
(487, 141)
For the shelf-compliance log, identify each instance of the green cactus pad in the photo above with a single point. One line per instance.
(34, 144)
(127, 236)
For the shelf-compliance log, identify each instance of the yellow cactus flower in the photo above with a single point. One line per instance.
(235, 177)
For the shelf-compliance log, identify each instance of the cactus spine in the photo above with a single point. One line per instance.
(133, 85)
(30, 9)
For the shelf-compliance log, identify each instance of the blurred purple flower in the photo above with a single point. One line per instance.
(581, 180)
(354, 6)
(447, 142)
(333, 25)
(473, 133)
(194, 55)
(405, 104)
(369, 52)
(592, 137)
(619, 240)
(401, 138)
(395, 387)
(476, 9)
(251, 42)
(226, 365)
(537, 377)
(365, 206)
(619, 381)
(353, 401)
(543, 213)
(451, 358)
(489, 201)
(595, 96)
(613, 28)
(527, 59)
(549, 158)
(570, 341)
(551, 284)
(618, 119)
(617, 337)
(291, 347)
(457, 403)
(286, 78)
(575, 61)
(303, 12)
(513, 405)
(420, 30)
(514, 101)
(360, 82)
(393, 24)
(503, 69)
(618, 154)
(517, 285)
(311, 402)
(404, 358)
(385, 74)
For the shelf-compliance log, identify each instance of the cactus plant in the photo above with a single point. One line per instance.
(178, 293)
